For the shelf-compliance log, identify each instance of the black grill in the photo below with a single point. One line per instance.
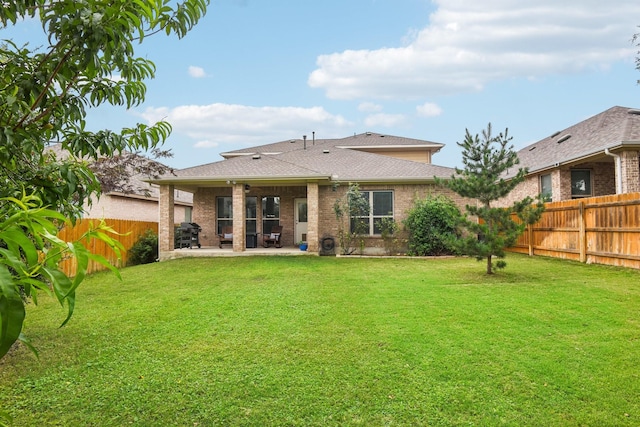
(189, 235)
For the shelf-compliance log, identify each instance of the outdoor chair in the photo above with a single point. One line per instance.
(273, 238)
(226, 237)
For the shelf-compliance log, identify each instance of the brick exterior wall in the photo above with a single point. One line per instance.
(630, 171)
(603, 183)
(204, 208)
(122, 207)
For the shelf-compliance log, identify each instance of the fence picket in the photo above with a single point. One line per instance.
(129, 232)
(599, 230)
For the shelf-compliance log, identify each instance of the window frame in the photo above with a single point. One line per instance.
(588, 184)
(547, 196)
(270, 219)
(373, 219)
(222, 221)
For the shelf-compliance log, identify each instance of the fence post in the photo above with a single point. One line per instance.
(582, 236)
(530, 231)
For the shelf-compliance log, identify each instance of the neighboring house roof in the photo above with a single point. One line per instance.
(614, 129)
(337, 160)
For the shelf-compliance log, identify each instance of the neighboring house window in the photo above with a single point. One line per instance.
(380, 206)
(545, 187)
(581, 183)
(224, 212)
(252, 215)
(270, 213)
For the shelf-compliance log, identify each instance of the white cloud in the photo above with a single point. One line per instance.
(240, 124)
(369, 107)
(429, 109)
(206, 144)
(384, 120)
(469, 44)
(197, 72)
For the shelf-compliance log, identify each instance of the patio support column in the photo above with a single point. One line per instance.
(312, 217)
(239, 243)
(166, 219)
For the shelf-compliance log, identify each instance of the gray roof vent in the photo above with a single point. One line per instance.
(634, 111)
(292, 141)
(563, 138)
(325, 151)
(256, 156)
(555, 134)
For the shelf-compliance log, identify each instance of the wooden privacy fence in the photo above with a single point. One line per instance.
(130, 232)
(598, 230)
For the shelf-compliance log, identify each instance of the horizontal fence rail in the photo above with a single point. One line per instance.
(130, 232)
(596, 230)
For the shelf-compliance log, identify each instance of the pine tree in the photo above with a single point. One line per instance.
(486, 160)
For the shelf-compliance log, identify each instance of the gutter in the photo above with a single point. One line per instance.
(618, 170)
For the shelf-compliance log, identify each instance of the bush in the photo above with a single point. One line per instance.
(433, 226)
(145, 250)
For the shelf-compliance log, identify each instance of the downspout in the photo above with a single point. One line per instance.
(618, 170)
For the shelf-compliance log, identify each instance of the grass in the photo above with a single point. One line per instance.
(322, 341)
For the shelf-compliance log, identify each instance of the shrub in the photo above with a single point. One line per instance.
(145, 250)
(433, 226)
(393, 238)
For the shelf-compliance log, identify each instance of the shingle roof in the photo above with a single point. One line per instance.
(613, 128)
(368, 139)
(325, 159)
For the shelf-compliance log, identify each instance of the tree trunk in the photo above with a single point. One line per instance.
(489, 271)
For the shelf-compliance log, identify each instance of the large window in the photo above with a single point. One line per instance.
(581, 183)
(380, 207)
(224, 209)
(545, 187)
(224, 212)
(252, 215)
(270, 213)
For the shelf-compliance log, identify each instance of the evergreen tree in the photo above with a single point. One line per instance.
(486, 160)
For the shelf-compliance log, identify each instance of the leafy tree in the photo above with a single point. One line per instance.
(433, 226)
(87, 61)
(116, 172)
(485, 161)
(349, 210)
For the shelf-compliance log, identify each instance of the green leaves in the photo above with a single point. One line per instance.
(29, 255)
(87, 61)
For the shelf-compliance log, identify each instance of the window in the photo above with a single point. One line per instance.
(545, 187)
(380, 206)
(251, 207)
(581, 183)
(224, 212)
(270, 213)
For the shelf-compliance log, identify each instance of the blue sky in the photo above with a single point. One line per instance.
(255, 71)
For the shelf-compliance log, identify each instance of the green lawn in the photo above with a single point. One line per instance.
(322, 341)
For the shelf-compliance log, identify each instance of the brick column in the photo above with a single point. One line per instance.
(313, 217)
(561, 184)
(630, 171)
(166, 219)
(239, 223)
